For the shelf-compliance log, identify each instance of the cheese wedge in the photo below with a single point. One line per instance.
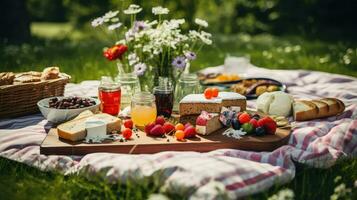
(75, 130)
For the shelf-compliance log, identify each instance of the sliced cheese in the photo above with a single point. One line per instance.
(75, 130)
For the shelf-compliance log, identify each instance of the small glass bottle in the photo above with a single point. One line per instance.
(143, 109)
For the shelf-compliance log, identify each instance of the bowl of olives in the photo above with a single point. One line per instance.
(61, 109)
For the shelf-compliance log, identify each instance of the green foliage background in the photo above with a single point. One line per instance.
(307, 17)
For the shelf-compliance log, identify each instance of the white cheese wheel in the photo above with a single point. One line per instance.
(275, 103)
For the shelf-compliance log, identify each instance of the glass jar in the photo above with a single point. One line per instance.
(164, 97)
(109, 94)
(187, 84)
(143, 109)
(130, 85)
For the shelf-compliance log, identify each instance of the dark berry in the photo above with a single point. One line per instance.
(235, 124)
(260, 131)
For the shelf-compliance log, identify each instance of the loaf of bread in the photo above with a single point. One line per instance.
(315, 109)
(26, 78)
(6, 78)
(75, 130)
(50, 73)
(194, 104)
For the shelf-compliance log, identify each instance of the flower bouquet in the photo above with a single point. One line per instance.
(152, 49)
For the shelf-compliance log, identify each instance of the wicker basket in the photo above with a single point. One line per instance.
(18, 100)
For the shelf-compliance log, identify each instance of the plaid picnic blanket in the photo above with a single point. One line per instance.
(316, 143)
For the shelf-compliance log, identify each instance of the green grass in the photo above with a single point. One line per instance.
(78, 53)
(18, 181)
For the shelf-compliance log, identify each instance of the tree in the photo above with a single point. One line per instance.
(14, 21)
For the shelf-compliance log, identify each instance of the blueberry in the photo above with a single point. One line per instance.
(260, 131)
(235, 124)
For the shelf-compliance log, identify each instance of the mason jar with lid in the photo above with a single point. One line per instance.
(143, 109)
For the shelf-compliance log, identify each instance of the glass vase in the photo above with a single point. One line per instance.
(130, 85)
(186, 84)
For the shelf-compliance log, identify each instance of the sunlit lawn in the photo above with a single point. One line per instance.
(78, 53)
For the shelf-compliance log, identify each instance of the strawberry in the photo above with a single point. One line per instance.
(270, 127)
(268, 123)
(187, 125)
(254, 122)
(158, 130)
(200, 121)
(128, 123)
(160, 120)
(127, 133)
(238, 114)
(190, 132)
(264, 120)
(148, 127)
(168, 127)
(244, 118)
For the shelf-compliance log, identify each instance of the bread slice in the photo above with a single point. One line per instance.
(323, 108)
(194, 104)
(304, 110)
(75, 130)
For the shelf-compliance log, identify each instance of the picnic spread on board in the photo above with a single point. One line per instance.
(213, 119)
(315, 143)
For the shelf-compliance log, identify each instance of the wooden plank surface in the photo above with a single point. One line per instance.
(53, 145)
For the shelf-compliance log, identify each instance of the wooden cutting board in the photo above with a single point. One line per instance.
(143, 144)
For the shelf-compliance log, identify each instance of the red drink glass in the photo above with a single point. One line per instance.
(109, 95)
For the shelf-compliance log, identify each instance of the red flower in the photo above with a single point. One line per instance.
(115, 52)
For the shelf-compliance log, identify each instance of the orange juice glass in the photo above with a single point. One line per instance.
(143, 109)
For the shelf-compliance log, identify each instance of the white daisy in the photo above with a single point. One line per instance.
(97, 22)
(110, 14)
(132, 9)
(139, 69)
(114, 26)
(205, 37)
(133, 59)
(160, 10)
(201, 22)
